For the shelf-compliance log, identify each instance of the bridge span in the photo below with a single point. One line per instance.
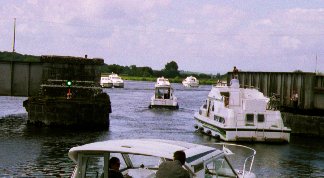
(25, 78)
(20, 78)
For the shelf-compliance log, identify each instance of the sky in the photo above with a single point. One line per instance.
(208, 36)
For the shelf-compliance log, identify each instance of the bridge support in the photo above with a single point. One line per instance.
(70, 95)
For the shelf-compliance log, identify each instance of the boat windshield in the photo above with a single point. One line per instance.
(104, 78)
(130, 164)
(94, 165)
(238, 160)
(219, 167)
(162, 93)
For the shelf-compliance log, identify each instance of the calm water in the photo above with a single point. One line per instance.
(40, 152)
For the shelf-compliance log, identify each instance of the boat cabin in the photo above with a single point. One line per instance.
(141, 158)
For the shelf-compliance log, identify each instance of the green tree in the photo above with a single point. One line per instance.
(171, 69)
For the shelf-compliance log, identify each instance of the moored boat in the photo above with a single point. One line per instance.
(163, 96)
(105, 82)
(161, 81)
(190, 82)
(232, 113)
(117, 81)
(142, 157)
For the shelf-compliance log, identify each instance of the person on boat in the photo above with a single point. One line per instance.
(294, 99)
(235, 73)
(173, 169)
(114, 165)
(167, 94)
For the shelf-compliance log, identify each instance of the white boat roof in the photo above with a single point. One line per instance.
(150, 147)
(113, 74)
(161, 81)
(246, 93)
(191, 78)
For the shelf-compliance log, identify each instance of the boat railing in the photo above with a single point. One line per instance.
(247, 159)
(74, 173)
(220, 84)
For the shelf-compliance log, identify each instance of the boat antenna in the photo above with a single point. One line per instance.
(14, 38)
(316, 64)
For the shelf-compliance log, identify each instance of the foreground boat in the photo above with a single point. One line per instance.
(117, 81)
(190, 82)
(163, 96)
(141, 158)
(240, 114)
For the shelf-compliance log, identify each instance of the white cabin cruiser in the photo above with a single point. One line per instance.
(163, 96)
(105, 82)
(232, 113)
(161, 81)
(140, 158)
(116, 80)
(191, 82)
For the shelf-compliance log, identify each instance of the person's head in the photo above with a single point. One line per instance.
(180, 156)
(234, 67)
(114, 163)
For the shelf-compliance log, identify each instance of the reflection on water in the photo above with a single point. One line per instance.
(30, 151)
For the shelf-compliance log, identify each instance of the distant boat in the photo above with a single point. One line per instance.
(232, 113)
(161, 81)
(190, 82)
(116, 80)
(105, 82)
(163, 96)
(142, 157)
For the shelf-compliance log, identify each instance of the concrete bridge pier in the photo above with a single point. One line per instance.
(70, 95)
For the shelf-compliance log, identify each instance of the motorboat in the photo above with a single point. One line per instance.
(163, 96)
(190, 82)
(231, 113)
(116, 80)
(140, 158)
(105, 82)
(161, 81)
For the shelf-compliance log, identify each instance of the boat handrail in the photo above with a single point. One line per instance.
(246, 159)
(75, 81)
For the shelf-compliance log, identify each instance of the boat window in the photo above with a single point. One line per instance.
(94, 166)
(162, 93)
(218, 168)
(219, 119)
(144, 161)
(121, 159)
(260, 117)
(205, 105)
(226, 96)
(250, 118)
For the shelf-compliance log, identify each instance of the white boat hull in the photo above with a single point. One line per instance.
(107, 85)
(234, 134)
(190, 84)
(164, 103)
(118, 85)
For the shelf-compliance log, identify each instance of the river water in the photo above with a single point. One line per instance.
(39, 152)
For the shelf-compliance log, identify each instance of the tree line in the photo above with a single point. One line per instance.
(171, 69)
(10, 56)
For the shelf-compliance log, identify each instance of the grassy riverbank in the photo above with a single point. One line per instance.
(172, 80)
